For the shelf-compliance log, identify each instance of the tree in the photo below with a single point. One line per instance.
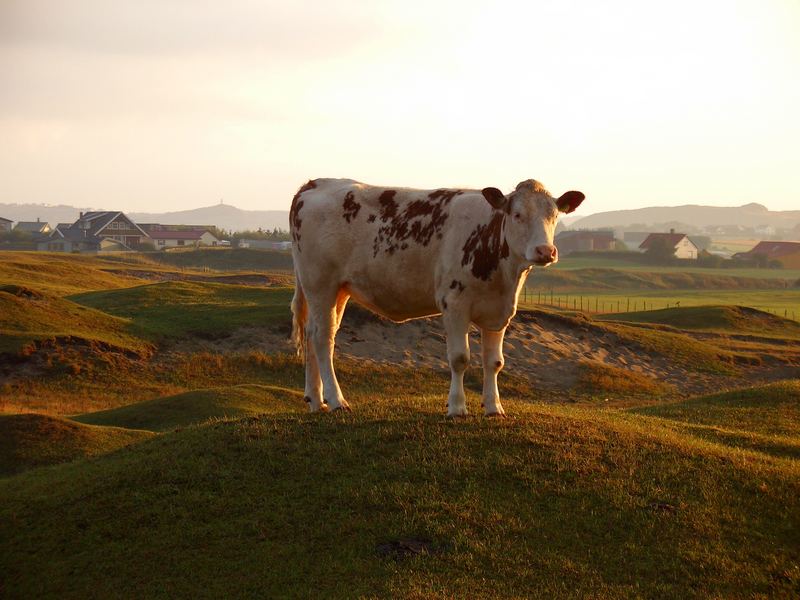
(660, 251)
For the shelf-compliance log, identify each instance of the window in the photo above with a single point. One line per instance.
(181, 242)
(162, 242)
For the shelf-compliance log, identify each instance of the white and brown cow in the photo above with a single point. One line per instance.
(405, 254)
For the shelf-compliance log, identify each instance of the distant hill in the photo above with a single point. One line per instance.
(51, 214)
(221, 215)
(749, 215)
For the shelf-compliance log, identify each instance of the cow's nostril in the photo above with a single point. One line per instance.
(546, 252)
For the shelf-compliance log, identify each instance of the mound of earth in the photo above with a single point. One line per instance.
(197, 406)
(34, 440)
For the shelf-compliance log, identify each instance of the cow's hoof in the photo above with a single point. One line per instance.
(457, 414)
(343, 407)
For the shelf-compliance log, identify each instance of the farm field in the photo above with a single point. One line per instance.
(785, 303)
(569, 263)
(154, 443)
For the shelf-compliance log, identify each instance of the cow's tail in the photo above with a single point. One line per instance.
(299, 316)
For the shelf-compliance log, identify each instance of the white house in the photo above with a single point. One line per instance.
(684, 247)
(191, 238)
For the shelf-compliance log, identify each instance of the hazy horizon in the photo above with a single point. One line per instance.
(169, 106)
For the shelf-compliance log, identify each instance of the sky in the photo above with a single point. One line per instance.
(162, 105)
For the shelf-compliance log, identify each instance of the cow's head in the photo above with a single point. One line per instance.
(531, 219)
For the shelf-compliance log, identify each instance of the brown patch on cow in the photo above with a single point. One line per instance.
(417, 222)
(444, 303)
(486, 247)
(371, 219)
(350, 206)
(294, 212)
(388, 205)
(457, 285)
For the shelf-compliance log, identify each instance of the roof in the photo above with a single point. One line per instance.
(775, 249)
(178, 235)
(98, 220)
(671, 238)
(6, 220)
(32, 226)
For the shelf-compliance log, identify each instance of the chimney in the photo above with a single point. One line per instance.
(672, 231)
(37, 220)
(81, 216)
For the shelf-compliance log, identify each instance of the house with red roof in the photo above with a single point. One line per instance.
(165, 236)
(787, 253)
(684, 247)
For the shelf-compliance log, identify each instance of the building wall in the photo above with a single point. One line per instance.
(790, 261)
(686, 249)
(5, 226)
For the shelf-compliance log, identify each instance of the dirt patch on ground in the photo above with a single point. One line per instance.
(550, 350)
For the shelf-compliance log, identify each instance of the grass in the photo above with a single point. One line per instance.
(568, 263)
(28, 317)
(599, 379)
(169, 310)
(197, 406)
(605, 279)
(727, 319)
(560, 501)
(225, 259)
(30, 440)
(784, 303)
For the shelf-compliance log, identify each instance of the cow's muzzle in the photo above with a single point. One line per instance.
(545, 254)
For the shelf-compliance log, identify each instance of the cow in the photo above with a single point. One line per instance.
(406, 254)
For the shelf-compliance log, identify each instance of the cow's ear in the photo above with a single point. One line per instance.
(495, 197)
(569, 201)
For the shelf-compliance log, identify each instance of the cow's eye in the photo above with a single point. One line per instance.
(517, 216)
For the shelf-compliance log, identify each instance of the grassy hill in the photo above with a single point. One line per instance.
(729, 319)
(163, 311)
(197, 406)
(394, 500)
(764, 418)
(32, 440)
(655, 278)
(226, 259)
(28, 316)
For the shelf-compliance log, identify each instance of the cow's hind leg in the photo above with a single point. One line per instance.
(326, 317)
(458, 358)
(492, 349)
(313, 391)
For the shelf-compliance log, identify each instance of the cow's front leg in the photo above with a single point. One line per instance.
(492, 349)
(458, 358)
(322, 338)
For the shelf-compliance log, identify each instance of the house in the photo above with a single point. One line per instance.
(264, 244)
(787, 253)
(684, 247)
(568, 242)
(36, 227)
(179, 236)
(5, 225)
(97, 231)
(178, 239)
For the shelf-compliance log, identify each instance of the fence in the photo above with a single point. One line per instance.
(594, 304)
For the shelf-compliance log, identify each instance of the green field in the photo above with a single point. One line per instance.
(568, 263)
(784, 303)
